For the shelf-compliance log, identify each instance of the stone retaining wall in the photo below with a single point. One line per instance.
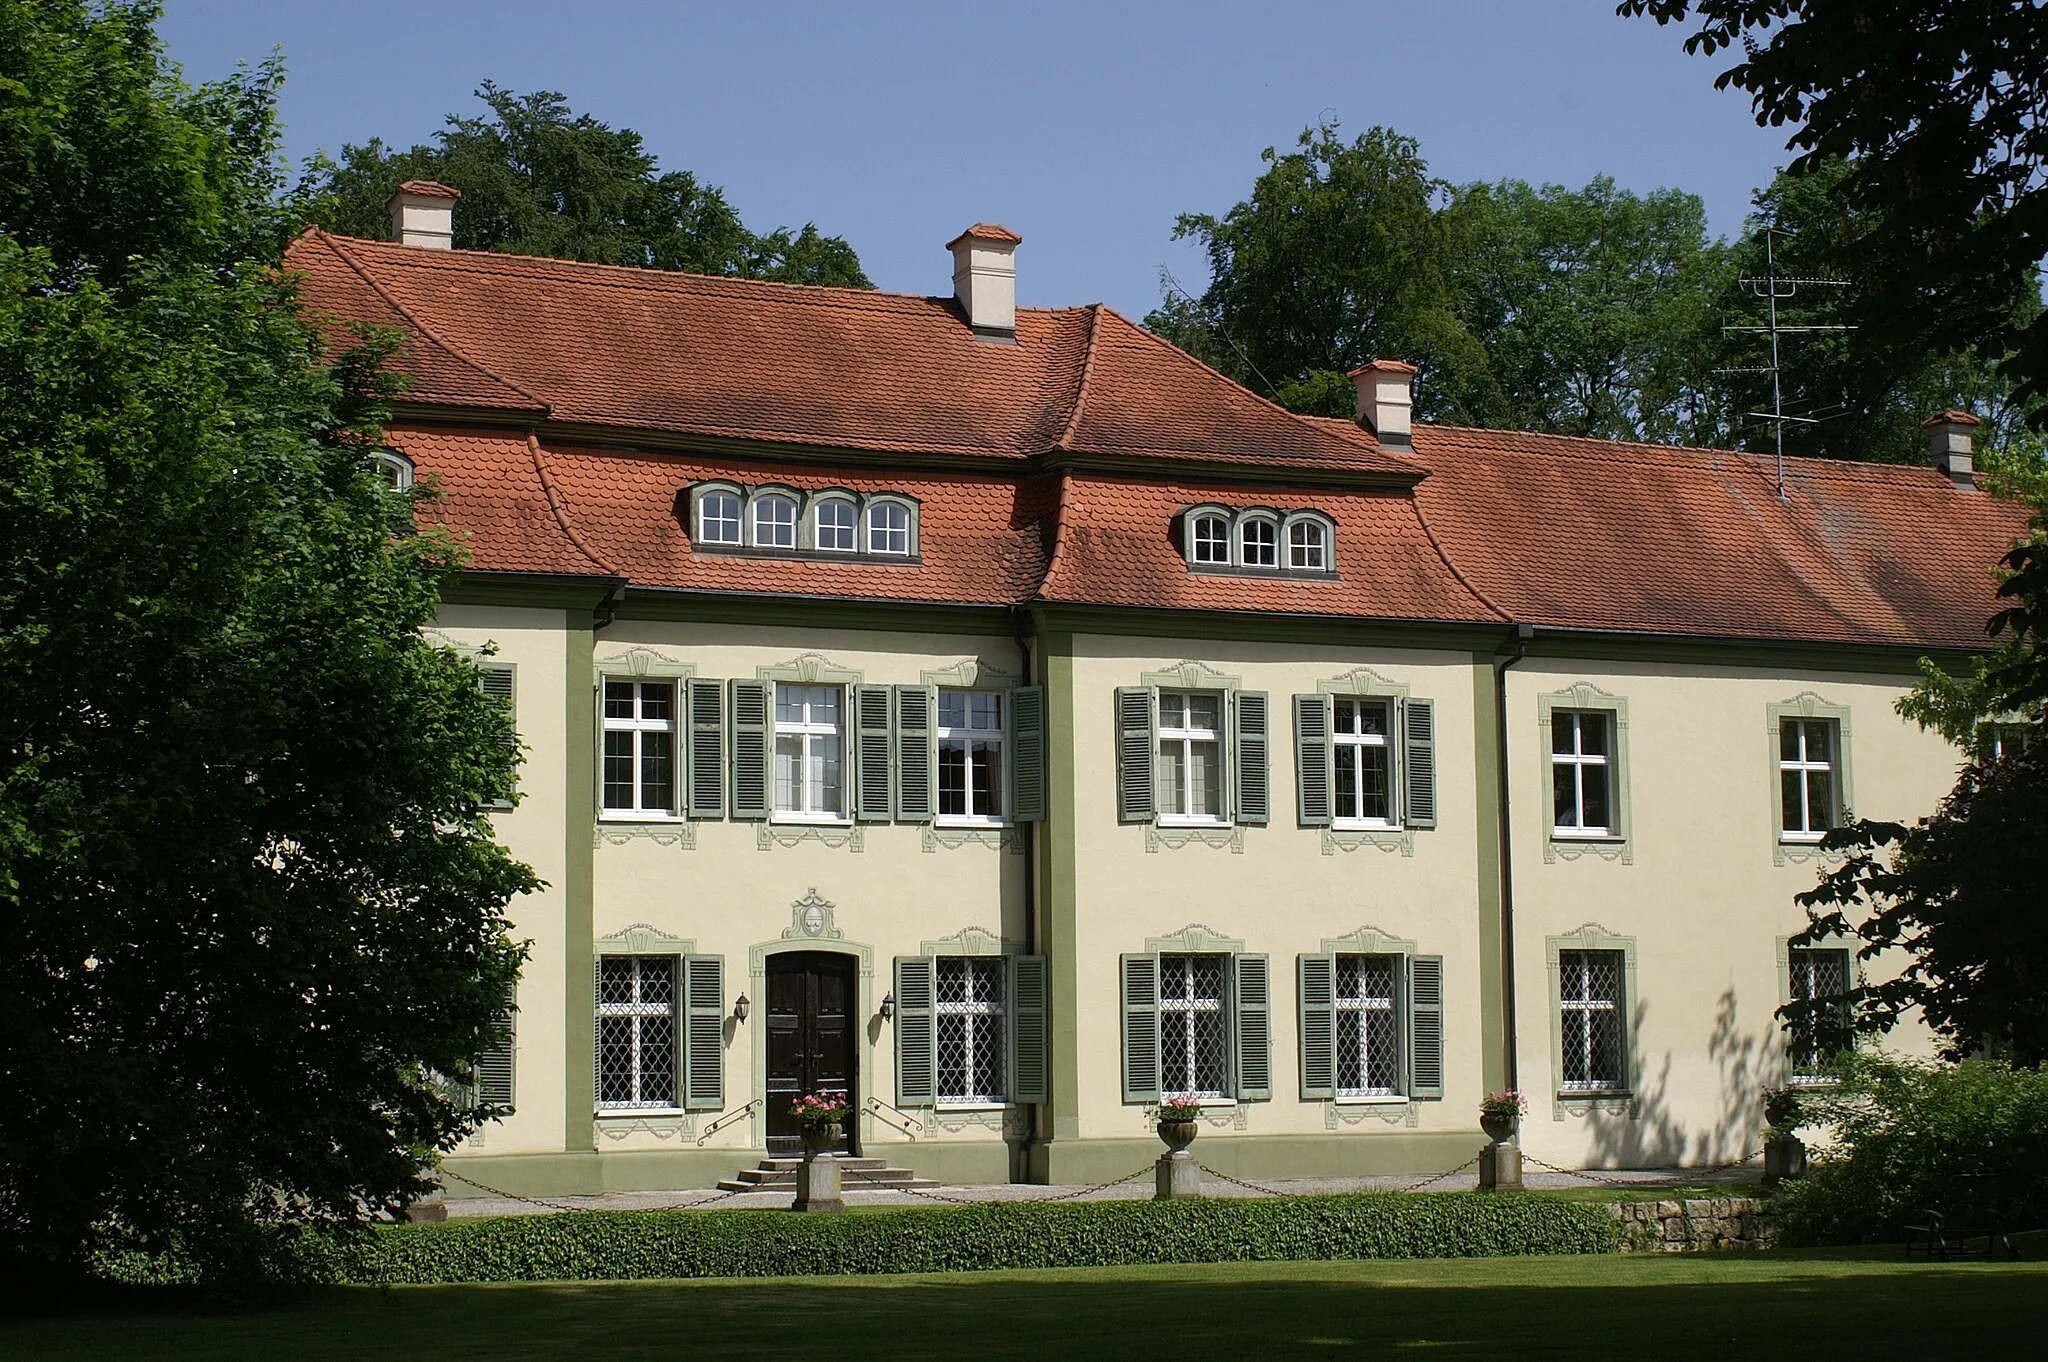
(1692, 1226)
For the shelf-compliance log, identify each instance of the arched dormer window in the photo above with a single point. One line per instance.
(1258, 540)
(774, 520)
(393, 467)
(835, 523)
(720, 518)
(1207, 534)
(892, 527)
(1308, 543)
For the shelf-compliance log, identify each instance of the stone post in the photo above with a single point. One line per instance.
(1176, 1174)
(1784, 1157)
(817, 1183)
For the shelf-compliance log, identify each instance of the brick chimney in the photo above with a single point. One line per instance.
(1951, 442)
(1386, 392)
(423, 214)
(985, 279)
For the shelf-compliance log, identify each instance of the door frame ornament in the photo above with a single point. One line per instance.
(814, 926)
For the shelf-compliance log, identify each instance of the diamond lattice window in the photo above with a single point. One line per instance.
(1589, 1000)
(1193, 1056)
(1368, 1038)
(1818, 1040)
(970, 1015)
(636, 1031)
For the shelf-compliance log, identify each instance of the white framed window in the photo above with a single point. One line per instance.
(1368, 1013)
(1807, 757)
(971, 756)
(1818, 1041)
(1308, 547)
(2006, 740)
(1590, 1020)
(888, 528)
(1194, 1049)
(1190, 762)
(636, 1032)
(835, 526)
(1581, 776)
(969, 1007)
(809, 750)
(393, 467)
(1209, 541)
(1258, 542)
(1364, 766)
(639, 748)
(774, 521)
(718, 518)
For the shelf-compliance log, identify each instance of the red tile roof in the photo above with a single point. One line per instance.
(432, 189)
(1052, 469)
(986, 231)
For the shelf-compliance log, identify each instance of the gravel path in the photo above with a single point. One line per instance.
(1139, 1189)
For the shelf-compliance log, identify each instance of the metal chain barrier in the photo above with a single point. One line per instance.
(564, 1206)
(1240, 1182)
(1472, 1162)
(1625, 1183)
(1073, 1195)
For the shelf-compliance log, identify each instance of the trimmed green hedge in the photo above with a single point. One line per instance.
(626, 1245)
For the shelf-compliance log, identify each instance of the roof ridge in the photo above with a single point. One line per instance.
(1306, 422)
(637, 276)
(422, 327)
(561, 512)
(1597, 447)
(1094, 311)
(1054, 559)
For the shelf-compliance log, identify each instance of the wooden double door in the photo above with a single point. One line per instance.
(811, 1040)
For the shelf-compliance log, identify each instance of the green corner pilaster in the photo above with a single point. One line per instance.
(579, 1007)
(1057, 887)
(1488, 745)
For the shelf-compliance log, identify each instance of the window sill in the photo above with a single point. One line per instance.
(1801, 839)
(801, 820)
(972, 1106)
(1585, 835)
(1393, 1100)
(1362, 825)
(634, 1113)
(956, 821)
(1593, 1094)
(629, 816)
(1179, 821)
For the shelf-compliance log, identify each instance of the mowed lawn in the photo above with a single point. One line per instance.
(1861, 1305)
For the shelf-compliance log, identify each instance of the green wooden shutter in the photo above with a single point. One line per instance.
(495, 1066)
(916, 797)
(1312, 759)
(1252, 989)
(497, 684)
(1254, 782)
(1426, 1027)
(1316, 994)
(1418, 761)
(916, 1081)
(874, 768)
(707, 749)
(1141, 1028)
(1029, 1039)
(1027, 754)
(749, 749)
(704, 1032)
(1137, 709)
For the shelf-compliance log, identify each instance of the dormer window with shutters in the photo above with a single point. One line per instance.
(1258, 542)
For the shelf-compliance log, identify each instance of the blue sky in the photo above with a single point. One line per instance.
(1086, 127)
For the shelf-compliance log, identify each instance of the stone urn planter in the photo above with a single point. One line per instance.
(819, 1137)
(1499, 1127)
(1178, 1135)
(1500, 1162)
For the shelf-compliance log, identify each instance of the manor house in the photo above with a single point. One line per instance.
(997, 715)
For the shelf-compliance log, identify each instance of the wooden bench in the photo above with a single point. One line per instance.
(1969, 1223)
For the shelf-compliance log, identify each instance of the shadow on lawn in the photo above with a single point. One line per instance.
(1761, 1307)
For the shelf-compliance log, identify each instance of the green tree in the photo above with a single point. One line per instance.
(1960, 893)
(539, 179)
(1868, 388)
(1940, 111)
(250, 904)
(1338, 257)
(1594, 308)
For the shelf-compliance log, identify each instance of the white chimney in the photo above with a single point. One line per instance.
(1386, 392)
(423, 214)
(1951, 443)
(985, 279)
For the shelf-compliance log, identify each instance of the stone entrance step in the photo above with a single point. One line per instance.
(779, 1174)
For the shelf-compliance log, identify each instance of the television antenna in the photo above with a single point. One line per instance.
(1775, 288)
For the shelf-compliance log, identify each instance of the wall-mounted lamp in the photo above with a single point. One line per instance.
(889, 1007)
(740, 1008)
